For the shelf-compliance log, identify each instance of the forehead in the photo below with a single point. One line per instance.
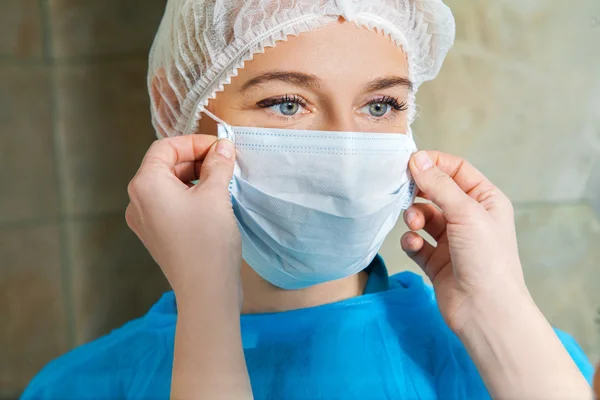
(339, 53)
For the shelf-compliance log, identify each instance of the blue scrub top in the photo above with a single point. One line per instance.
(390, 343)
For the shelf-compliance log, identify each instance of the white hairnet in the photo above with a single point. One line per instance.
(201, 44)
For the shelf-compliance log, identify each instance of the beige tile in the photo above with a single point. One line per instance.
(560, 256)
(104, 129)
(86, 27)
(27, 171)
(31, 303)
(20, 28)
(593, 189)
(114, 278)
(519, 95)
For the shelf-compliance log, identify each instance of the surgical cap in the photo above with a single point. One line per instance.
(201, 44)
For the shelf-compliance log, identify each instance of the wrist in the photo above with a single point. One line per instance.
(205, 301)
(496, 308)
(516, 350)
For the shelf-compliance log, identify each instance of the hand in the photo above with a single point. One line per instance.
(189, 230)
(476, 255)
(192, 234)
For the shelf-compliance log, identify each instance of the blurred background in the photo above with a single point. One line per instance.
(519, 97)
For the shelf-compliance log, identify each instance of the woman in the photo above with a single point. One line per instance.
(321, 123)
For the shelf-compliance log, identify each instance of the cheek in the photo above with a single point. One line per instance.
(396, 124)
(206, 126)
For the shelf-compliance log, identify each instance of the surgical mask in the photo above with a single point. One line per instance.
(314, 206)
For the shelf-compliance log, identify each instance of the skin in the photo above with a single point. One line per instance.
(474, 265)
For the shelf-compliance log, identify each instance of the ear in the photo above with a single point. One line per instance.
(165, 104)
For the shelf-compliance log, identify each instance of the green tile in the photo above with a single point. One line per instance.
(104, 130)
(114, 278)
(21, 29)
(27, 163)
(94, 28)
(32, 314)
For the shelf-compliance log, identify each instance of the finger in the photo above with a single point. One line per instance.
(188, 171)
(431, 259)
(440, 188)
(217, 167)
(412, 242)
(418, 249)
(428, 217)
(422, 195)
(466, 176)
(168, 152)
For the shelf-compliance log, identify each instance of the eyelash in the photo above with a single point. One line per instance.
(275, 101)
(391, 101)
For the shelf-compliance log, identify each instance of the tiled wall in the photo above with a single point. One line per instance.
(74, 124)
(519, 96)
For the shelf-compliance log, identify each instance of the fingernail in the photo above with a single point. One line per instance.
(423, 161)
(225, 148)
(410, 216)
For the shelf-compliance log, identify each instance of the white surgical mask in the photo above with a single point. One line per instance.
(314, 206)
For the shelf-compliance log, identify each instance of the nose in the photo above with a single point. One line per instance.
(340, 121)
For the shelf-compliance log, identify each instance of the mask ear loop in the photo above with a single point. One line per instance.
(412, 186)
(228, 131)
(227, 134)
(409, 133)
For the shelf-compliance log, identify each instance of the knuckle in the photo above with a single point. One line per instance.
(158, 144)
(139, 187)
(129, 218)
(133, 188)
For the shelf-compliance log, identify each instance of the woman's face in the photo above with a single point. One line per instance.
(340, 77)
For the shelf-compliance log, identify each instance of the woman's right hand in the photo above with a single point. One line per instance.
(190, 230)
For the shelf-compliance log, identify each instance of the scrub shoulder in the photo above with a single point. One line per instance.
(113, 366)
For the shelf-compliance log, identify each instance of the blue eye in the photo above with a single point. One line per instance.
(378, 109)
(382, 106)
(289, 108)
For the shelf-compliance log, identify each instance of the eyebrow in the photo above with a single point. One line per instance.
(388, 82)
(295, 78)
(313, 82)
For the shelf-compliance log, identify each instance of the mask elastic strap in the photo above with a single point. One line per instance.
(226, 126)
(409, 133)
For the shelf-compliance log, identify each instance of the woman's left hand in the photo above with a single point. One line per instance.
(478, 282)
(476, 253)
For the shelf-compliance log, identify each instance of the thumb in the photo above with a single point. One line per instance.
(217, 168)
(440, 188)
